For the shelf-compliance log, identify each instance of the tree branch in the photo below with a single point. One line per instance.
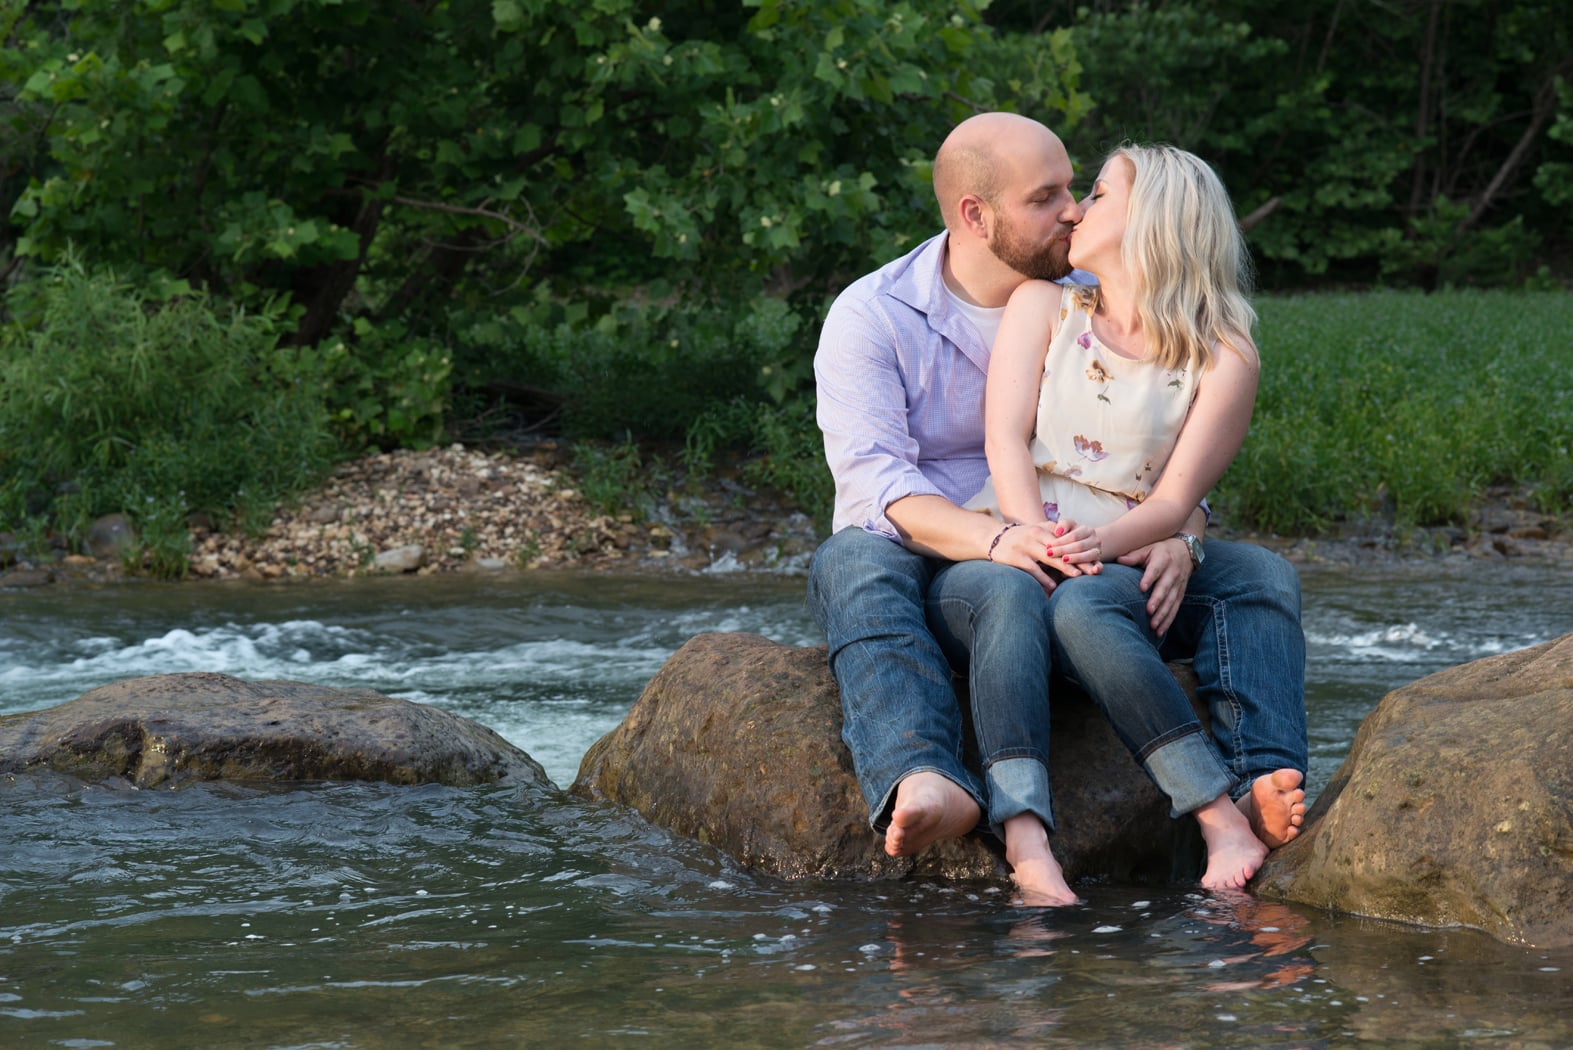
(1545, 108)
(1428, 61)
(1259, 213)
(483, 213)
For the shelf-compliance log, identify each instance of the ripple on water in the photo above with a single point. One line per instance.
(233, 915)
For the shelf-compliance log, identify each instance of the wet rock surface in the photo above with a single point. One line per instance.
(736, 742)
(178, 729)
(1454, 806)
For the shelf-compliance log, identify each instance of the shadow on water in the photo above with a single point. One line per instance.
(354, 915)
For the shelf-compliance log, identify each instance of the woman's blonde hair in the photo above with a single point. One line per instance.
(1187, 256)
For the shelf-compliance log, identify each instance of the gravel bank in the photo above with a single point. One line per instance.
(463, 510)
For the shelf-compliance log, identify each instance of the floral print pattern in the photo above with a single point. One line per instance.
(1106, 423)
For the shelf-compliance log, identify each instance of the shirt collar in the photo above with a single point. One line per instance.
(921, 285)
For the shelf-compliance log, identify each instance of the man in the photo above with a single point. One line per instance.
(900, 373)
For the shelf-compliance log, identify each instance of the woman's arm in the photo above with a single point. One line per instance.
(1011, 398)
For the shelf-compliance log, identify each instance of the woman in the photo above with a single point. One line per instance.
(1111, 410)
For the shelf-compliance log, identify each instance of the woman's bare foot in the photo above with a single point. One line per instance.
(1275, 806)
(1033, 868)
(929, 808)
(1233, 850)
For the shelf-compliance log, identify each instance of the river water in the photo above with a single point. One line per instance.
(353, 915)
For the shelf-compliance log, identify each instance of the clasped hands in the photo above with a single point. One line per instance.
(1060, 547)
(1054, 551)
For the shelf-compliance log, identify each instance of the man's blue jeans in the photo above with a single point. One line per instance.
(1240, 622)
(896, 622)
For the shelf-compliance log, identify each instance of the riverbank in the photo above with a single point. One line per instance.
(457, 509)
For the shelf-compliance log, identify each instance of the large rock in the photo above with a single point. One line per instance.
(737, 742)
(176, 729)
(1453, 807)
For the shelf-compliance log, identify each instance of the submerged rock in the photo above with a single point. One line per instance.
(1454, 806)
(737, 742)
(111, 536)
(176, 729)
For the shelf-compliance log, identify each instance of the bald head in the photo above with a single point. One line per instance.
(1004, 187)
(985, 154)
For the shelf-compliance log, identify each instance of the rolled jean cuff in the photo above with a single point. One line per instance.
(879, 818)
(1189, 771)
(1016, 786)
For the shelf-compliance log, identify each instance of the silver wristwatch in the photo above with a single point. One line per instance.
(1193, 543)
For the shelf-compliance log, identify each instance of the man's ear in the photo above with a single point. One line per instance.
(976, 215)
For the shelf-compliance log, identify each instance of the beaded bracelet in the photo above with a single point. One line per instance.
(999, 536)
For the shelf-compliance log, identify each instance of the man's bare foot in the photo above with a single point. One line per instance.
(1233, 850)
(1033, 868)
(929, 808)
(1275, 806)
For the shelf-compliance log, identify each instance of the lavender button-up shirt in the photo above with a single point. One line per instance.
(900, 375)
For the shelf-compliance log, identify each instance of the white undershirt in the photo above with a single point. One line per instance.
(986, 319)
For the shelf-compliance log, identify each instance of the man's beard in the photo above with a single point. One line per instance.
(1041, 262)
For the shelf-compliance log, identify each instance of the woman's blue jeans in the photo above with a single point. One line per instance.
(896, 623)
(1240, 623)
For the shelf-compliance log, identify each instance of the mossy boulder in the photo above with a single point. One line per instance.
(1454, 806)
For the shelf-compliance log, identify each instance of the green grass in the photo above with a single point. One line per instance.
(1405, 405)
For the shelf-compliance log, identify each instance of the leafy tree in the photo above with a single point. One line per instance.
(425, 183)
(362, 156)
(1417, 141)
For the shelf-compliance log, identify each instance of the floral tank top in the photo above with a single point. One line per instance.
(1106, 423)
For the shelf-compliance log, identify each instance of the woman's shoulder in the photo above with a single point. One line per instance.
(1051, 298)
(1036, 292)
(1237, 347)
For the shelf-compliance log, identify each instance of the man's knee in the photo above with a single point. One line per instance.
(1248, 568)
(856, 551)
(860, 583)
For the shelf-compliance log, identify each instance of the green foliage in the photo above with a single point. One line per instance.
(613, 478)
(392, 392)
(784, 450)
(1404, 406)
(334, 146)
(1422, 143)
(1483, 258)
(446, 204)
(642, 368)
(1394, 405)
(113, 402)
(393, 173)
